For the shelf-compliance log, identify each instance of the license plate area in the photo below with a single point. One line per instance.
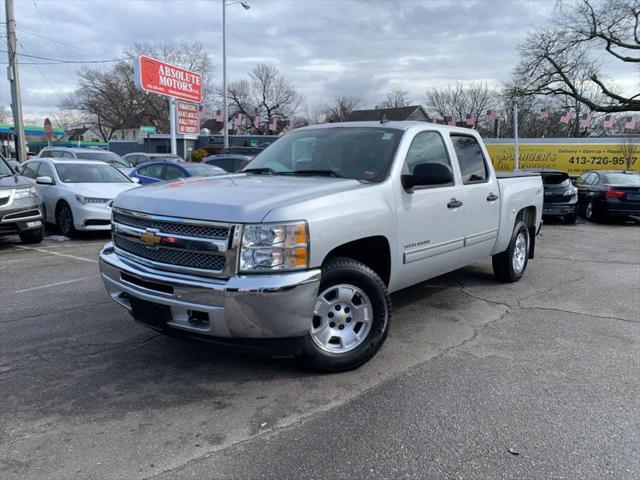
(634, 197)
(149, 313)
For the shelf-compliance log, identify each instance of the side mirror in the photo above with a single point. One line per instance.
(45, 181)
(428, 174)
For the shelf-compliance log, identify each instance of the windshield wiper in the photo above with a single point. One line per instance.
(328, 173)
(268, 170)
(7, 175)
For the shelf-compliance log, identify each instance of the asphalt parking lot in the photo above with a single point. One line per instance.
(537, 379)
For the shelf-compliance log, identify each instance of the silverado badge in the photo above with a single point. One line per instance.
(150, 238)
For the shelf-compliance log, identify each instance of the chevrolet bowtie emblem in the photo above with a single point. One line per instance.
(150, 239)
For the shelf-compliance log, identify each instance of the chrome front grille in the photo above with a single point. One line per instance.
(205, 261)
(178, 245)
(187, 229)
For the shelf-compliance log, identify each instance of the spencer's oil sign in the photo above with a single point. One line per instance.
(574, 159)
(165, 79)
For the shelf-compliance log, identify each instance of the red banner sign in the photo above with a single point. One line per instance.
(164, 79)
(188, 118)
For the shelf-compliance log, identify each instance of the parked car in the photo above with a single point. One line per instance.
(87, 154)
(164, 171)
(298, 253)
(608, 193)
(560, 195)
(77, 193)
(138, 158)
(228, 162)
(20, 212)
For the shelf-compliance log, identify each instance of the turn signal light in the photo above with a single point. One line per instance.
(613, 193)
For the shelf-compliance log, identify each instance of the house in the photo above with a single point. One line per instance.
(411, 112)
(82, 134)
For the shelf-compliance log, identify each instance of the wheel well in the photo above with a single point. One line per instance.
(59, 204)
(528, 216)
(374, 252)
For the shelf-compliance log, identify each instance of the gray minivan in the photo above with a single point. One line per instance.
(20, 212)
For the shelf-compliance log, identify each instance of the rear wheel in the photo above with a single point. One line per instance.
(64, 220)
(351, 317)
(590, 211)
(509, 266)
(32, 236)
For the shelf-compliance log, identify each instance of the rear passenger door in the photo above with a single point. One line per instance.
(480, 196)
(150, 174)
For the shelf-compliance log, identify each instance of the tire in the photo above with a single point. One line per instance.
(339, 340)
(590, 212)
(509, 266)
(32, 236)
(64, 220)
(571, 217)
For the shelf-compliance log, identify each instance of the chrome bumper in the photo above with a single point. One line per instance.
(251, 306)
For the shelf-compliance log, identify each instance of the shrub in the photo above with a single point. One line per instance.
(198, 155)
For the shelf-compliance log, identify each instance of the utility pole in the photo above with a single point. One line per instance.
(172, 125)
(13, 73)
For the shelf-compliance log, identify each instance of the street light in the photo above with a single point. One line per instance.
(225, 107)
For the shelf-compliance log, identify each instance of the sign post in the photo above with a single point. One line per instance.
(155, 76)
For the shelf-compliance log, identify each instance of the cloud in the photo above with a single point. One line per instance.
(328, 48)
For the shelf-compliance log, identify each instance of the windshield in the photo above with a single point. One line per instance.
(109, 157)
(350, 152)
(203, 170)
(4, 169)
(89, 173)
(622, 179)
(556, 178)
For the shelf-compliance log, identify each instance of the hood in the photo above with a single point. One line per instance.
(101, 190)
(15, 181)
(230, 198)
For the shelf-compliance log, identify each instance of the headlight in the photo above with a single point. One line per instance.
(268, 246)
(85, 200)
(25, 193)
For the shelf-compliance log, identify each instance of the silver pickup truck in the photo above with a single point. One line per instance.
(298, 253)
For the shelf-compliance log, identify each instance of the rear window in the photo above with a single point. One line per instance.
(622, 179)
(108, 157)
(556, 178)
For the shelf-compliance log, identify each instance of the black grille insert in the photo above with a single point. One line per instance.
(186, 229)
(170, 256)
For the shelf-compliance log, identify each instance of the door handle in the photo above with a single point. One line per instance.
(453, 203)
(492, 197)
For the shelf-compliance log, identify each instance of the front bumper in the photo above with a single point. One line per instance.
(91, 216)
(22, 215)
(241, 307)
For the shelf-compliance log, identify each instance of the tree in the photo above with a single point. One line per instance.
(266, 94)
(459, 100)
(395, 98)
(566, 57)
(5, 114)
(109, 100)
(630, 146)
(339, 110)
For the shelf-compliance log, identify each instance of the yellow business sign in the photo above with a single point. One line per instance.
(574, 159)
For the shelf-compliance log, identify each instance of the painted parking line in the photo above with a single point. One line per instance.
(49, 285)
(42, 250)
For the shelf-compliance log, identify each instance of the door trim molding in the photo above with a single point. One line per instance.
(480, 237)
(425, 251)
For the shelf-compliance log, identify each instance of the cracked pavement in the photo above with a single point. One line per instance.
(548, 367)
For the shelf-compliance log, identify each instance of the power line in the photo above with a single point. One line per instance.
(62, 60)
(66, 66)
(41, 72)
(39, 35)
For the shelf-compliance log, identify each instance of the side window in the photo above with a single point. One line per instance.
(30, 170)
(46, 154)
(45, 170)
(472, 163)
(595, 179)
(427, 147)
(153, 171)
(172, 173)
(581, 180)
(589, 178)
(66, 155)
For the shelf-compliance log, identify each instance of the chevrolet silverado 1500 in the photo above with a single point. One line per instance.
(298, 253)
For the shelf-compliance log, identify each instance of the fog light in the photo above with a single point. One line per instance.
(33, 224)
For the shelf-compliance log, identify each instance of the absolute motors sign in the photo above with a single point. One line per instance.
(165, 79)
(188, 118)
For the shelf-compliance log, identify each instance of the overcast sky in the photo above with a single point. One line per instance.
(327, 47)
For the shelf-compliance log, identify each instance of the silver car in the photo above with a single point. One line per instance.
(77, 194)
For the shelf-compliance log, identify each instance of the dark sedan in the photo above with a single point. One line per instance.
(164, 171)
(608, 193)
(229, 162)
(560, 196)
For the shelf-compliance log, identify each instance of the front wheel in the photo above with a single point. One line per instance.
(509, 266)
(32, 236)
(64, 220)
(351, 317)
